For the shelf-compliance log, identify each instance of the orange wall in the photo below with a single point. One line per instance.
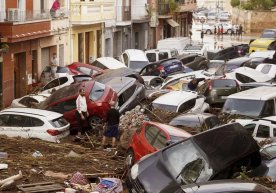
(29, 4)
(11, 4)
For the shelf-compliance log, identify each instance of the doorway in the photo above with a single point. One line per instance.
(19, 75)
(1, 81)
(87, 50)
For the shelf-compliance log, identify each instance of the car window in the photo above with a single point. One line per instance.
(52, 84)
(81, 78)
(99, 65)
(125, 57)
(97, 91)
(156, 82)
(263, 131)
(250, 128)
(160, 141)
(187, 60)
(274, 132)
(187, 105)
(244, 79)
(4, 119)
(85, 70)
(18, 121)
(35, 122)
(174, 53)
(151, 57)
(62, 70)
(223, 83)
(64, 106)
(26, 101)
(163, 55)
(59, 122)
(268, 109)
(129, 92)
(151, 133)
(212, 122)
(266, 69)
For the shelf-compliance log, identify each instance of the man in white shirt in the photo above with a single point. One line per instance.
(81, 113)
(54, 65)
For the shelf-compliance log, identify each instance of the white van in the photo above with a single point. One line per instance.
(155, 55)
(178, 43)
(134, 59)
(256, 102)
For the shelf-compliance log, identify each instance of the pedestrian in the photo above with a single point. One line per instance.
(221, 31)
(218, 31)
(54, 65)
(237, 30)
(81, 113)
(192, 85)
(54, 8)
(215, 31)
(232, 31)
(240, 30)
(112, 125)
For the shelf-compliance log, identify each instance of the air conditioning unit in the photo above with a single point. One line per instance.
(13, 14)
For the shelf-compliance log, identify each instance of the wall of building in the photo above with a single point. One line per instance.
(254, 21)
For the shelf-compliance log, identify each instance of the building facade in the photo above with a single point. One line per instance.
(30, 36)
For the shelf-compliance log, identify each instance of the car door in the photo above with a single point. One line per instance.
(263, 132)
(128, 99)
(14, 125)
(36, 129)
(146, 139)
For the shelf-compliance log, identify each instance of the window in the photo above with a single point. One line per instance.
(274, 132)
(174, 53)
(250, 128)
(129, 92)
(99, 65)
(186, 106)
(160, 141)
(151, 57)
(36, 122)
(151, 133)
(19, 121)
(27, 101)
(56, 83)
(125, 57)
(266, 69)
(97, 91)
(85, 70)
(268, 109)
(163, 55)
(4, 119)
(244, 79)
(187, 60)
(59, 122)
(263, 131)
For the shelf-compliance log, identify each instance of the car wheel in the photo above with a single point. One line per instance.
(229, 31)
(129, 158)
(96, 123)
(208, 32)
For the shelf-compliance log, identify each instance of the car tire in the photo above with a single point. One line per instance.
(129, 158)
(209, 32)
(96, 123)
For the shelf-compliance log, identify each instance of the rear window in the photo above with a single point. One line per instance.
(97, 91)
(244, 79)
(137, 65)
(59, 122)
(224, 83)
(163, 55)
(62, 70)
(151, 57)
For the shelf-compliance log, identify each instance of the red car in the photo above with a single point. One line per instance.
(98, 97)
(151, 137)
(77, 68)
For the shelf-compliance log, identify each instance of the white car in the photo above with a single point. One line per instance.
(134, 59)
(262, 129)
(196, 48)
(29, 100)
(155, 55)
(245, 75)
(181, 101)
(108, 63)
(61, 82)
(33, 123)
(46, 73)
(268, 69)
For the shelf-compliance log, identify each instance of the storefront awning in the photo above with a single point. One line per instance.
(172, 23)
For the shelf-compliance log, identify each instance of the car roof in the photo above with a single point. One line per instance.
(175, 98)
(256, 75)
(110, 62)
(119, 83)
(174, 131)
(259, 93)
(136, 55)
(30, 111)
(160, 50)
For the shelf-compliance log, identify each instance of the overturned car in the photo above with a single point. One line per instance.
(215, 154)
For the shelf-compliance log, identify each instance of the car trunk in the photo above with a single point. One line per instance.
(223, 87)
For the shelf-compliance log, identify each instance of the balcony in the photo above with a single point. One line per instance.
(92, 12)
(163, 7)
(123, 13)
(183, 5)
(17, 15)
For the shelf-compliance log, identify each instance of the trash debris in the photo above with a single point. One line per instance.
(78, 178)
(8, 185)
(56, 175)
(3, 155)
(72, 154)
(37, 154)
(37, 187)
(3, 166)
(108, 185)
(14, 178)
(70, 190)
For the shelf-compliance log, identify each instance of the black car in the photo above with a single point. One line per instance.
(229, 53)
(164, 68)
(215, 154)
(224, 186)
(194, 61)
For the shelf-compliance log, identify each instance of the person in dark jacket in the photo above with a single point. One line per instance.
(112, 125)
(192, 85)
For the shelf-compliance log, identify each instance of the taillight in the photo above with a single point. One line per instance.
(53, 132)
(210, 87)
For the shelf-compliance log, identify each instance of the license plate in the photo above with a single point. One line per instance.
(223, 97)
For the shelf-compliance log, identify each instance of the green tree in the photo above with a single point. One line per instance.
(173, 6)
(258, 5)
(235, 3)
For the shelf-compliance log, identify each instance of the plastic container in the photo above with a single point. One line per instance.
(3, 155)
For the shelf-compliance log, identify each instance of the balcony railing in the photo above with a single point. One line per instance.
(123, 13)
(17, 15)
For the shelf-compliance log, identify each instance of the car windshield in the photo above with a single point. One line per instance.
(186, 161)
(215, 64)
(171, 108)
(59, 122)
(269, 152)
(243, 107)
(137, 65)
(97, 91)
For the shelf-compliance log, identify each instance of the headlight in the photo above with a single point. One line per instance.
(134, 171)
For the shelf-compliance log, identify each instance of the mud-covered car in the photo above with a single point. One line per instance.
(215, 154)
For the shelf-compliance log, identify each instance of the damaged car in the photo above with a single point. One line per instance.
(215, 154)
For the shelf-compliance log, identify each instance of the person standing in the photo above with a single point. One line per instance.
(54, 65)
(221, 31)
(215, 31)
(112, 125)
(81, 113)
(218, 31)
(240, 30)
(192, 85)
(54, 8)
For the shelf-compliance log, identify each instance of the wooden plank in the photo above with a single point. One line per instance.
(40, 187)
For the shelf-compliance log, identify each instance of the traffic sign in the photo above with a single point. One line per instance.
(202, 20)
